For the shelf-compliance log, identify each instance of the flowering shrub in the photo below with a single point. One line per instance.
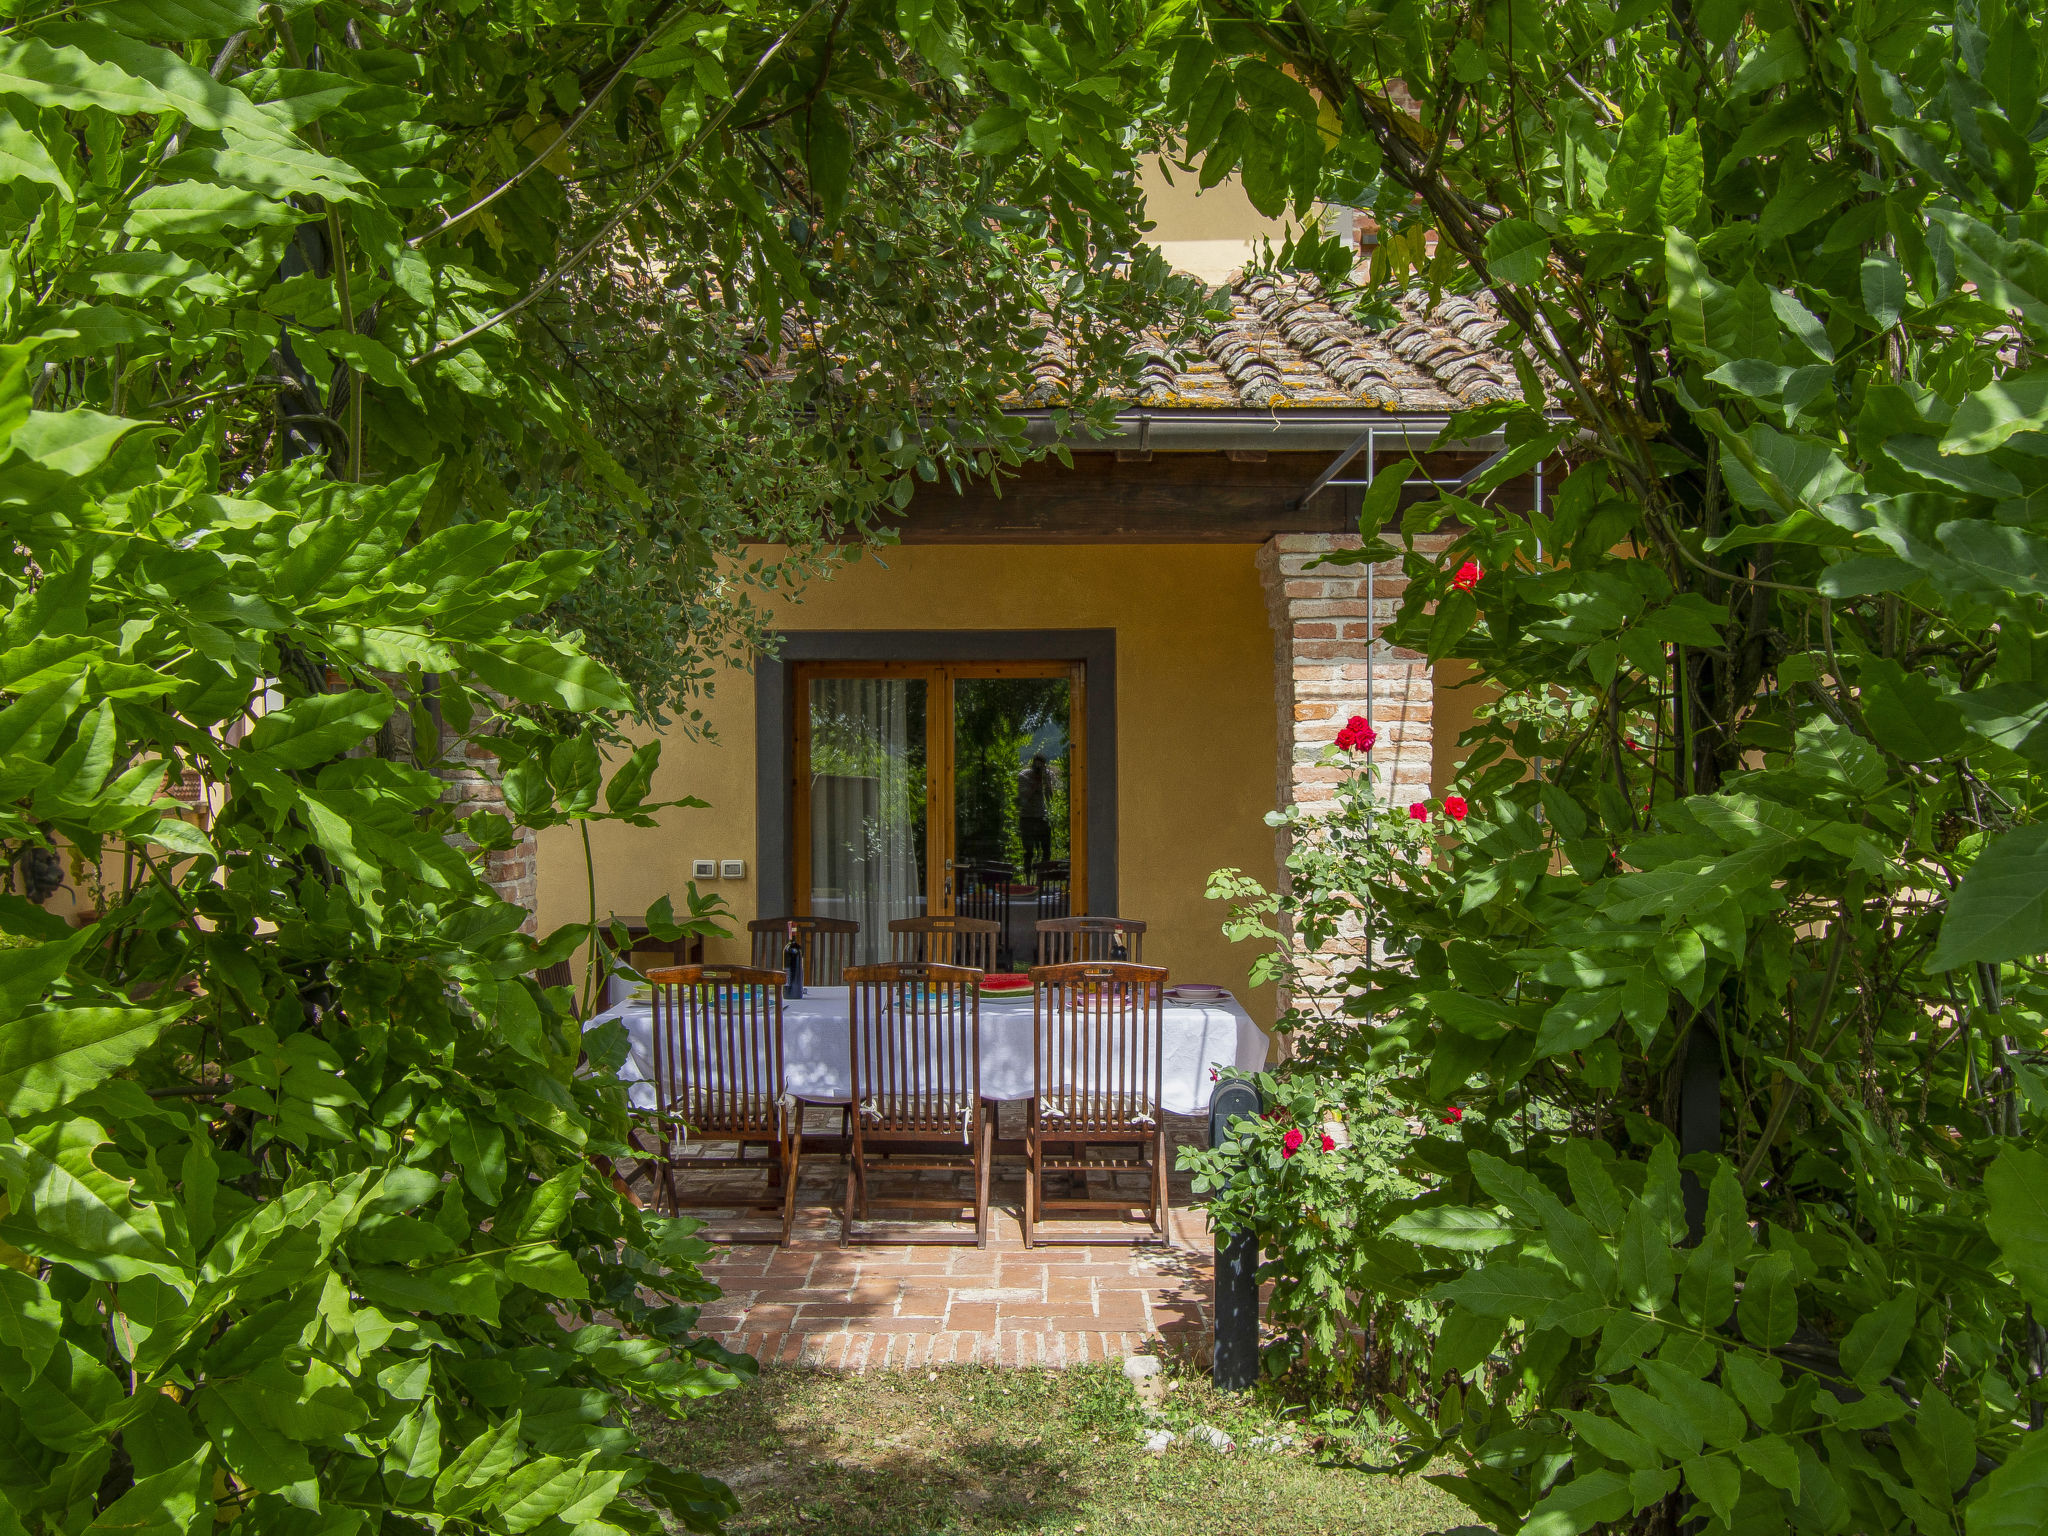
(1312, 1180)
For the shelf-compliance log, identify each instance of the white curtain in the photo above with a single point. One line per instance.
(867, 804)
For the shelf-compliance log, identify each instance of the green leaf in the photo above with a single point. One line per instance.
(68, 1209)
(30, 1318)
(2016, 1186)
(310, 731)
(2000, 910)
(1506, 1290)
(253, 1449)
(1590, 1499)
(2011, 1499)
(1516, 251)
(998, 131)
(830, 157)
(164, 1504)
(1884, 289)
(1769, 1309)
(1772, 1459)
(27, 970)
(1715, 1481)
(49, 1058)
(2004, 559)
(2015, 403)
(1577, 1019)
(535, 670)
(186, 20)
(73, 443)
(2014, 715)
(25, 158)
(1907, 714)
(1457, 1227)
(1878, 1338)
(197, 208)
(551, 1271)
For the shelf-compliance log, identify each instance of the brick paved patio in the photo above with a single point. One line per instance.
(891, 1305)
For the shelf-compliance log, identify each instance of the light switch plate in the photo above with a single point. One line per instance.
(703, 869)
(734, 869)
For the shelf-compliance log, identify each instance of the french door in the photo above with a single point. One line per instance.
(940, 787)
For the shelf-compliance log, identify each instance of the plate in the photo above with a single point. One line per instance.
(1197, 992)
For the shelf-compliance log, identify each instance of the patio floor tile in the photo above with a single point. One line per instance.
(888, 1305)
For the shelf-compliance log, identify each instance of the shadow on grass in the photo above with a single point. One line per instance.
(975, 1451)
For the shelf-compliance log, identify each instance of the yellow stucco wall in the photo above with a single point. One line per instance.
(1196, 726)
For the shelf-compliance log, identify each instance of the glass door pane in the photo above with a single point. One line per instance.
(1013, 774)
(868, 791)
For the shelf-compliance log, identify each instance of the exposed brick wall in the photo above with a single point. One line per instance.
(1329, 665)
(472, 775)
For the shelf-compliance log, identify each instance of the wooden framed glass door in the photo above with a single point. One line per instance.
(940, 787)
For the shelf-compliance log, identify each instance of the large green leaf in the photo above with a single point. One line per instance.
(536, 670)
(47, 1058)
(2016, 403)
(198, 208)
(25, 158)
(1516, 250)
(73, 443)
(1453, 1226)
(310, 731)
(2010, 1500)
(2000, 910)
(166, 1503)
(2016, 1186)
(67, 1209)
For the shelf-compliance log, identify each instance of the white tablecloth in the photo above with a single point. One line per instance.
(817, 1051)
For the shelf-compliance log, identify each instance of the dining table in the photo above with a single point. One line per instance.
(1198, 1040)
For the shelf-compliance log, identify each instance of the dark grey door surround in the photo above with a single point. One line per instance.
(775, 726)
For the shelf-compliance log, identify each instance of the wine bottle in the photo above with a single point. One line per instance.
(793, 965)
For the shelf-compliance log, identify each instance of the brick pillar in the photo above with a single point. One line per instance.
(472, 775)
(1328, 666)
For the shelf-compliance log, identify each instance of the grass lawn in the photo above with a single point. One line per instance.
(970, 1451)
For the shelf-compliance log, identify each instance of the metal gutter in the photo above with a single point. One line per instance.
(1299, 429)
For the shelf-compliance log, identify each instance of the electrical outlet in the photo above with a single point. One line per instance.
(703, 869)
(734, 869)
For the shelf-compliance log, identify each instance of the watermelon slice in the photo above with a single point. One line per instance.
(1005, 981)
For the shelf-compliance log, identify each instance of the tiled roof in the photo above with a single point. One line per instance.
(1286, 346)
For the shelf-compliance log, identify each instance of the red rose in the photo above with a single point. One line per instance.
(1455, 807)
(1419, 811)
(1468, 576)
(1329, 1143)
(1357, 735)
(1453, 1114)
(1291, 1142)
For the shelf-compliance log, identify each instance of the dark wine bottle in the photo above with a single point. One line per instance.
(793, 965)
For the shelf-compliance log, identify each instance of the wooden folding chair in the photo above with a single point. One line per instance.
(968, 941)
(916, 1037)
(1097, 1029)
(1070, 940)
(718, 1076)
(827, 944)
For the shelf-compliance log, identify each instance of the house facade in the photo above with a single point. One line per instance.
(1085, 694)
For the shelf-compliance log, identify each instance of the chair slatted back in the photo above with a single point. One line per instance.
(1097, 1030)
(827, 945)
(968, 941)
(985, 892)
(1055, 883)
(718, 1048)
(916, 1036)
(1070, 940)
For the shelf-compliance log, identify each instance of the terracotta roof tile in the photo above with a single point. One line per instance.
(1284, 345)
